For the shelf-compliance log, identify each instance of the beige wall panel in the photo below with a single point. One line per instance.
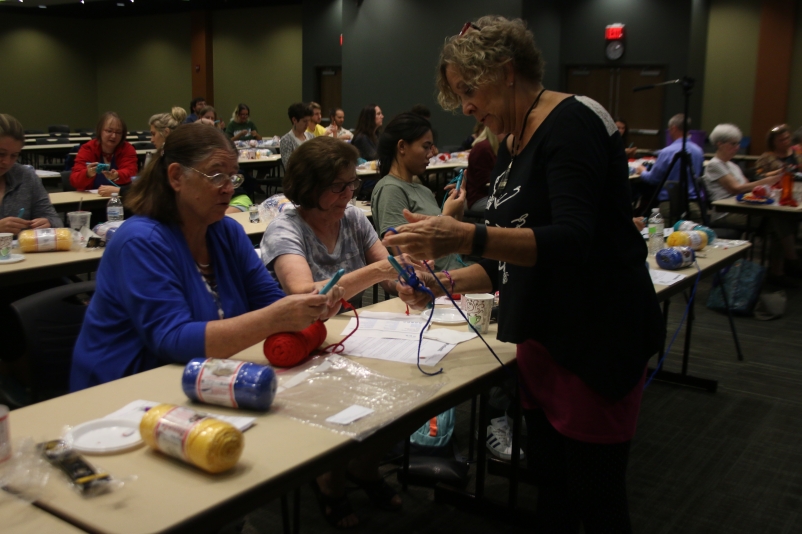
(147, 69)
(731, 63)
(258, 61)
(47, 75)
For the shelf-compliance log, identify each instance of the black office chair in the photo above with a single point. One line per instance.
(29, 132)
(51, 321)
(58, 128)
(143, 145)
(48, 140)
(65, 181)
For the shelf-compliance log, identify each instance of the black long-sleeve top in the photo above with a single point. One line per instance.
(589, 299)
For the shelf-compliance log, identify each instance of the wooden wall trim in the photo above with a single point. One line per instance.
(202, 57)
(773, 75)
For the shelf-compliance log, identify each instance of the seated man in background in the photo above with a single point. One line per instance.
(654, 176)
(335, 129)
(314, 126)
(299, 114)
(195, 107)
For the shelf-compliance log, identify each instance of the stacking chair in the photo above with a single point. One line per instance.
(58, 128)
(65, 181)
(51, 321)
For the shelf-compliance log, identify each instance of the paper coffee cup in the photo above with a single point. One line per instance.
(477, 307)
(5, 245)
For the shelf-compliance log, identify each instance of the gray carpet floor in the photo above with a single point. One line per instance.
(729, 462)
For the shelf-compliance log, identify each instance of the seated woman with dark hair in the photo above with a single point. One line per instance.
(366, 132)
(623, 129)
(180, 279)
(24, 205)
(108, 146)
(481, 161)
(306, 246)
(299, 114)
(405, 147)
(208, 115)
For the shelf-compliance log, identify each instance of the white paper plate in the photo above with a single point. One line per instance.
(15, 258)
(105, 436)
(444, 316)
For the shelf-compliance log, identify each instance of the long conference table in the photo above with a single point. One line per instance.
(280, 453)
(47, 265)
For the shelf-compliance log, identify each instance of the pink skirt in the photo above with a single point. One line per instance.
(571, 406)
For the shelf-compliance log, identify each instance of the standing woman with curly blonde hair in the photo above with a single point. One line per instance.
(558, 209)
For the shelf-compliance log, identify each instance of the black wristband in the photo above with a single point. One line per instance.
(479, 240)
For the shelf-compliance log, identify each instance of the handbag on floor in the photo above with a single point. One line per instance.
(742, 282)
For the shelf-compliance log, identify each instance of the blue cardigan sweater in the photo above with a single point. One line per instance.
(151, 305)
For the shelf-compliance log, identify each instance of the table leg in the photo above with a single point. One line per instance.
(729, 316)
(405, 465)
(472, 430)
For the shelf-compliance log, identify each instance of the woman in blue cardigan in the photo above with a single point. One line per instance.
(180, 280)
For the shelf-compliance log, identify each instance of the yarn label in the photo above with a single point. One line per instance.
(173, 428)
(215, 383)
(45, 240)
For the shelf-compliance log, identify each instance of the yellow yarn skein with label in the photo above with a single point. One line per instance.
(695, 239)
(213, 445)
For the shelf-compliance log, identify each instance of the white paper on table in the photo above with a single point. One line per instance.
(399, 327)
(134, 411)
(445, 300)
(665, 278)
(397, 350)
(94, 191)
(448, 335)
(302, 376)
(349, 415)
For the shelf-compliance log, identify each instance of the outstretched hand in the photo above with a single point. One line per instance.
(429, 237)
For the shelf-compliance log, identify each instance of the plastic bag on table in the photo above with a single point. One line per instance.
(327, 385)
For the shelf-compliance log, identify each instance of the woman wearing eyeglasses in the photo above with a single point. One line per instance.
(559, 210)
(306, 246)
(180, 279)
(108, 146)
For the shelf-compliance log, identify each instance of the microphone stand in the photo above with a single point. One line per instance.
(684, 158)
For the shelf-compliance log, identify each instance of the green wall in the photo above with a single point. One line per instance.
(46, 75)
(258, 61)
(731, 63)
(146, 70)
(794, 100)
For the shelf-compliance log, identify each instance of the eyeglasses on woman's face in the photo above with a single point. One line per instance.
(339, 187)
(220, 179)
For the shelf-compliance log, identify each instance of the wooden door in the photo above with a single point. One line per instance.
(330, 90)
(612, 88)
(643, 111)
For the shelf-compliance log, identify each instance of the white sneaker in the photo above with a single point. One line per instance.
(499, 439)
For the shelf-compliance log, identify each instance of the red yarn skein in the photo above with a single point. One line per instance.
(290, 348)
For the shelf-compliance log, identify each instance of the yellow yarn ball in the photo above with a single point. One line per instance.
(213, 445)
(695, 239)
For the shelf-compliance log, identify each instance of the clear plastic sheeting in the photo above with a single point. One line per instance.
(327, 385)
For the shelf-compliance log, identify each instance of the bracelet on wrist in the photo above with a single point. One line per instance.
(451, 280)
(479, 240)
